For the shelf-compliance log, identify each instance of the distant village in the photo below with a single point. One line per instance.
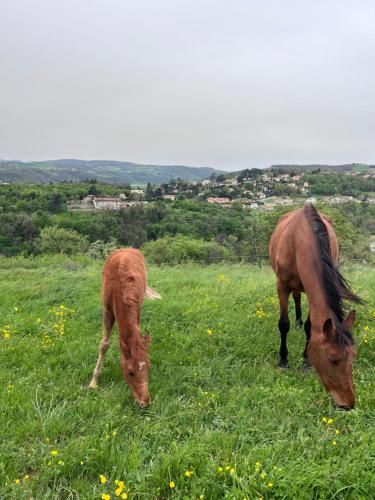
(252, 190)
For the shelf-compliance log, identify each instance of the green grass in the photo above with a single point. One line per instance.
(218, 399)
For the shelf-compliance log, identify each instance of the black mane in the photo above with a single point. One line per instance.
(335, 286)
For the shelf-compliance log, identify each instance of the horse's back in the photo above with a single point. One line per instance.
(124, 270)
(292, 243)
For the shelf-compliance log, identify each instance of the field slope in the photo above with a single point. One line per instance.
(224, 422)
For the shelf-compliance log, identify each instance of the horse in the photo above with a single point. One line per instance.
(124, 287)
(304, 253)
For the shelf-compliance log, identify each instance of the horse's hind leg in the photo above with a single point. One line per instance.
(307, 327)
(284, 324)
(297, 303)
(108, 320)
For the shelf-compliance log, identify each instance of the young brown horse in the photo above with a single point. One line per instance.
(304, 254)
(124, 286)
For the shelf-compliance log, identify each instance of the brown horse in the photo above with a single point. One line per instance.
(124, 286)
(304, 254)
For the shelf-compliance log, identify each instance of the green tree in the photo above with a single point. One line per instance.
(56, 239)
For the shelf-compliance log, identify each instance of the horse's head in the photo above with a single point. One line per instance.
(333, 358)
(135, 365)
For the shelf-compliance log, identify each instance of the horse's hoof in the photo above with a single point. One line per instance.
(93, 384)
(306, 365)
(299, 323)
(283, 365)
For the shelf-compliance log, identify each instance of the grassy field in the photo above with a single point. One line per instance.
(223, 423)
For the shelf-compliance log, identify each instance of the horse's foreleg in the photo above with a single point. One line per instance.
(307, 328)
(297, 303)
(108, 320)
(284, 324)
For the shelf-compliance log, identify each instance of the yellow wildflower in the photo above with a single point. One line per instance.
(124, 496)
(263, 474)
(114, 433)
(120, 487)
(220, 469)
(172, 484)
(26, 477)
(103, 479)
(201, 497)
(105, 496)
(330, 421)
(60, 462)
(188, 473)
(17, 481)
(324, 419)
(209, 332)
(258, 464)
(334, 443)
(231, 470)
(269, 485)
(54, 452)
(81, 462)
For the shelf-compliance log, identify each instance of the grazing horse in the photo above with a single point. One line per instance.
(304, 254)
(124, 286)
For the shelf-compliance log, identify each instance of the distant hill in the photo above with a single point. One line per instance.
(103, 171)
(348, 167)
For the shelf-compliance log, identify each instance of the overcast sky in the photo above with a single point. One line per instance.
(229, 84)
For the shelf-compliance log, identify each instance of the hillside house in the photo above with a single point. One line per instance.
(100, 203)
(219, 201)
(283, 201)
(267, 207)
(107, 203)
(284, 177)
(340, 199)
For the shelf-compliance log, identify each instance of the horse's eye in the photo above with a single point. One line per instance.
(335, 361)
(131, 374)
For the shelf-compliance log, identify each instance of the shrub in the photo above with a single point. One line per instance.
(55, 239)
(178, 249)
(101, 249)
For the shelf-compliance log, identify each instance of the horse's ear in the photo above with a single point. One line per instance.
(328, 329)
(350, 320)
